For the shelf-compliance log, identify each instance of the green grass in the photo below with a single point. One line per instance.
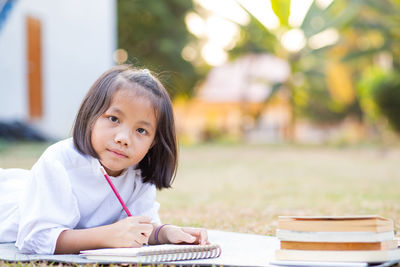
(244, 188)
(20, 154)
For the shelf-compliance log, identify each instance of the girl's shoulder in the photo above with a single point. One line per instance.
(65, 152)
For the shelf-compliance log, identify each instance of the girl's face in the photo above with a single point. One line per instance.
(125, 132)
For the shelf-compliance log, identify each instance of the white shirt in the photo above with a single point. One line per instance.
(66, 190)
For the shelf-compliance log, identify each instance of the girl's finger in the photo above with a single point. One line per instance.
(187, 238)
(191, 230)
(203, 237)
(200, 234)
(142, 239)
(138, 243)
(143, 229)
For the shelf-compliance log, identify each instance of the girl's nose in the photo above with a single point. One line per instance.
(122, 138)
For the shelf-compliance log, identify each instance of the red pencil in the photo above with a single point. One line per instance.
(115, 191)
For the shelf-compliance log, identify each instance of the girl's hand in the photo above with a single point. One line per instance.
(132, 231)
(190, 235)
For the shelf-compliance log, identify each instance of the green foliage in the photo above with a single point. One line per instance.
(254, 38)
(281, 9)
(370, 79)
(338, 14)
(382, 19)
(310, 98)
(379, 93)
(387, 96)
(318, 105)
(367, 28)
(377, 27)
(154, 33)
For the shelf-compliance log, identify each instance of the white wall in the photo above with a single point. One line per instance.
(12, 68)
(78, 39)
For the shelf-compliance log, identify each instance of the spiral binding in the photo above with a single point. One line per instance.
(183, 253)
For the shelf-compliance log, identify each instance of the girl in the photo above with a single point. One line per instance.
(64, 204)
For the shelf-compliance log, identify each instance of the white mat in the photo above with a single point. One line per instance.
(237, 250)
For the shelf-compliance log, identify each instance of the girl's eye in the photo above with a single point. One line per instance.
(113, 119)
(141, 131)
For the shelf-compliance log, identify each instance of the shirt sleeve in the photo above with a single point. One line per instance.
(47, 208)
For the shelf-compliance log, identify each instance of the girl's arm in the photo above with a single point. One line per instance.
(130, 232)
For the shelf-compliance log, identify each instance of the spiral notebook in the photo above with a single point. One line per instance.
(157, 253)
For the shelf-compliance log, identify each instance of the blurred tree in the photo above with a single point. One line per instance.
(387, 96)
(379, 93)
(375, 57)
(325, 79)
(154, 33)
(254, 38)
(320, 87)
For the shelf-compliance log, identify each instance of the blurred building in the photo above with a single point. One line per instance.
(236, 101)
(51, 52)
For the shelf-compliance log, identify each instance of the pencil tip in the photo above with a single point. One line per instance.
(103, 171)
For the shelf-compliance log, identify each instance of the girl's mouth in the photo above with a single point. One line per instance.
(117, 153)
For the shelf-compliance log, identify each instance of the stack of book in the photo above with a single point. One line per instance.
(336, 239)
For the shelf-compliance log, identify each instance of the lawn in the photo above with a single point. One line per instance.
(244, 187)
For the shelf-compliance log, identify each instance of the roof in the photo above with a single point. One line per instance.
(248, 78)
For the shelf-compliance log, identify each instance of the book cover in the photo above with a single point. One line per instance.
(157, 253)
(370, 256)
(388, 244)
(286, 235)
(365, 223)
(318, 263)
